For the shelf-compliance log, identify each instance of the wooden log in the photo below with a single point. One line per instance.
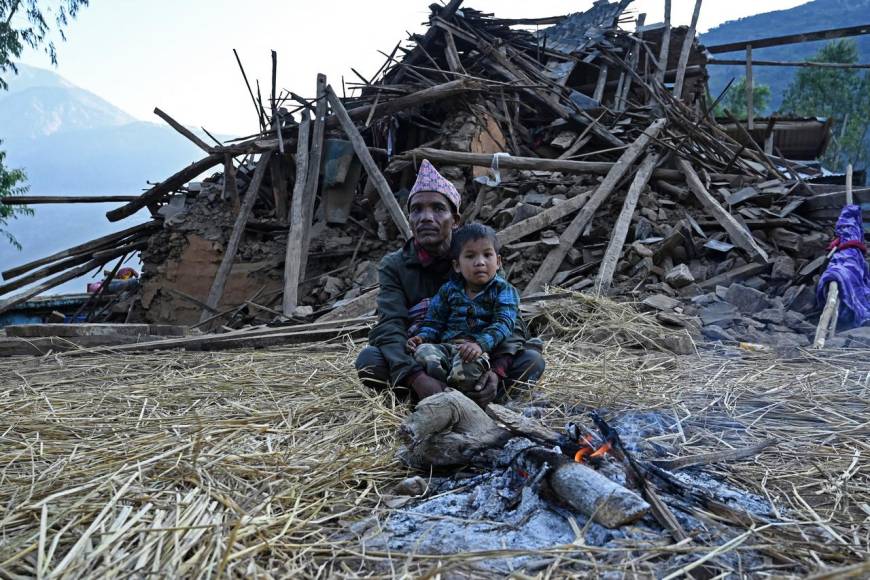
(686, 50)
(541, 164)
(368, 162)
(298, 223)
(665, 47)
(60, 279)
(828, 317)
(231, 190)
(850, 200)
(750, 105)
(620, 230)
(738, 235)
(312, 176)
(359, 306)
(278, 176)
(43, 199)
(62, 265)
(451, 54)
(596, 496)
(800, 37)
(601, 84)
(781, 63)
(226, 266)
(91, 246)
(566, 241)
(158, 192)
(184, 131)
(450, 429)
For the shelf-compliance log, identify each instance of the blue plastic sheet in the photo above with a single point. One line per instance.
(849, 269)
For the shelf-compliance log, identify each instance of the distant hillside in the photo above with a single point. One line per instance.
(72, 142)
(816, 15)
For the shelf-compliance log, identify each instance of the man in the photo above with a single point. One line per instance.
(408, 279)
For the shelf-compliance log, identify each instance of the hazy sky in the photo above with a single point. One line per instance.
(177, 54)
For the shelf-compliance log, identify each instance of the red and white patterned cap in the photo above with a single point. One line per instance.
(428, 179)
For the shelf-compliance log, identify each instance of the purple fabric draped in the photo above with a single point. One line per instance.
(849, 270)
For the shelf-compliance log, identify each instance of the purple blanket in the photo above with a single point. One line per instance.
(849, 270)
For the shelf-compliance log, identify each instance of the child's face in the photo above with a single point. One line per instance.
(478, 262)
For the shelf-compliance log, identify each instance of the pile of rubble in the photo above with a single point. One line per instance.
(590, 148)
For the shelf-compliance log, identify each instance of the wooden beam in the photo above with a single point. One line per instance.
(368, 162)
(165, 187)
(598, 93)
(184, 131)
(93, 245)
(312, 176)
(791, 39)
(686, 50)
(850, 200)
(665, 47)
(739, 236)
(61, 278)
(750, 105)
(42, 199)
(620, 230)
(781, 63)
(446, 13)
(566, 241)
(298, 224)
(226, 266)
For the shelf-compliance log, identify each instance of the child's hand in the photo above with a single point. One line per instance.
(413, 343)
(468, 351)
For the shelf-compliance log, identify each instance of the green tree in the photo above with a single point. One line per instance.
(735, 100)
(10, 184)
(839, 94)
(26, 23)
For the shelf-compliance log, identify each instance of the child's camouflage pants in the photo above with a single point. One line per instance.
(442, 362)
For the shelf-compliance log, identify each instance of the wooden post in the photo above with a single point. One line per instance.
(362, 151)
(737, 233)
(620, 230)
(231, 190)
(312, 177)
(828, 317)
(633, 62)
(849, 196)
(684, 54)
(184, 131)
(223, 272)
(598, 95)
(750, 97)
(566, 241)
(298, 225)
(666, 46)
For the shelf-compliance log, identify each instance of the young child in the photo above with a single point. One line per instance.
(470, 315)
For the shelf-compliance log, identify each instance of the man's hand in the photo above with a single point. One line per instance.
(413, 343)
(485, 390)
(468, 351)
(425, 386)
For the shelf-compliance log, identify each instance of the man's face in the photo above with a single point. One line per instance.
(432, 219)
(478, 262)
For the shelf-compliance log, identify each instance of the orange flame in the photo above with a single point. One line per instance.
(588, 452)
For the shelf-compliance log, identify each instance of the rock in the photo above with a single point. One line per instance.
(747, 300)
(660, 302)
(839, 342)
(787, 339)
(719, 313)
(800, 299)
(525, 211)
(303, 311)
(783, 268)
(333, 286)
(642, 250)
(858, 337)
(714, 332)
(704, 299)
(536, 198)
(412, 486)
(774, 315)
(679, 276)
(680, 343)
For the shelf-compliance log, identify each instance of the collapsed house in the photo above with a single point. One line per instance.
(588, 146)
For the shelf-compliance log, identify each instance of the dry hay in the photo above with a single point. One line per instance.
(255, 463)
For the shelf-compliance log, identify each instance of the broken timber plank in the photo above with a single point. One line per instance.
(684, 53)
(312, 176)
(359, 306)
(541, 164)
(828, 320)
(620, 230)
(93, 245)
(165, 187)
(362, 151)
(226, 266)
(184, 131)
(298, 225)
(566, 241)
(739, 236)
